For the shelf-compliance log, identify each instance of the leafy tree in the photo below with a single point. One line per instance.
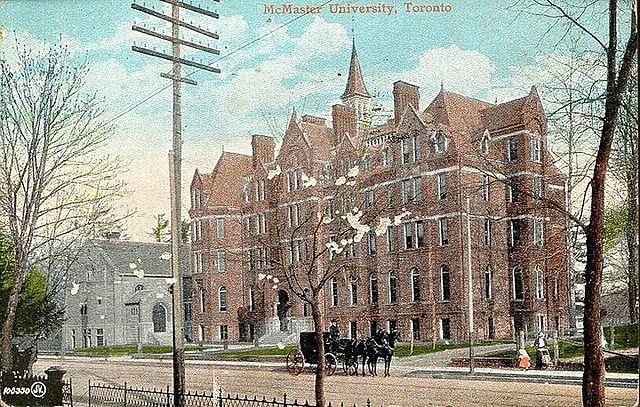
(38, 313)
(160, 230)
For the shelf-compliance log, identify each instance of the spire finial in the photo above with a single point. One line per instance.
(441, 85)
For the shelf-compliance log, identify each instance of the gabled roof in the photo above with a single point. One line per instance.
(226, 176)
(459, 112)
(355, 82)
(127, 257)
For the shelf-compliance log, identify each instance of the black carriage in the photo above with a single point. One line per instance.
(307, 353)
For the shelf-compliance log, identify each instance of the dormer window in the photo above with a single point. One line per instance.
(440, 142)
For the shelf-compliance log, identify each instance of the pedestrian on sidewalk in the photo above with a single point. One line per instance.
(542, 352)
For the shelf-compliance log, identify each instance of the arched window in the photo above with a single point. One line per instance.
(440, 142)
(484, 144)
(393, 287)
(159, 316)
(138, 288)
(373, 289)
(415, 285)
(222, 299)
(518, 289)
(445, 285)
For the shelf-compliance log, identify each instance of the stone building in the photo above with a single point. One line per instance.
(119, 294)
(476, 178)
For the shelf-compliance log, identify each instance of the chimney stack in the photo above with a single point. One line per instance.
(404, 94)
(344, 121)
(263, 149)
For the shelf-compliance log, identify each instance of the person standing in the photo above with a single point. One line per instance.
(540, 345)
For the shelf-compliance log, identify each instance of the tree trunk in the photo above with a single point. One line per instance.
(632, 240)
(12, 306)
(320, 373)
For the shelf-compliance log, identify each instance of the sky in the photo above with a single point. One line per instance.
(270, 64)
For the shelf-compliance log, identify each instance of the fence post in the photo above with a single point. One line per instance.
(89, 392)
(125, 394)
(220, 397)
(168, 398)
(284, 397)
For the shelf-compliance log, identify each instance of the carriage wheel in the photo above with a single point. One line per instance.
(295, 362)
(330, 364)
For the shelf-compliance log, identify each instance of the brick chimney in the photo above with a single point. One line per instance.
(344, 121)
(263, 149)
(404, 94)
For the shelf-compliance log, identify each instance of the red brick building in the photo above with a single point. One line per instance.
(467, 170)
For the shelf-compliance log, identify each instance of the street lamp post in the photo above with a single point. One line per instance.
(470, 289)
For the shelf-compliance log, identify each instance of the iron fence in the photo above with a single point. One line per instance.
(105, 395)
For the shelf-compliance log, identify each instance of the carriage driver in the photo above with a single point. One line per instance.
(334, 333)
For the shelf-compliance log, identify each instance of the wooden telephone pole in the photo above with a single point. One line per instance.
(175, 155)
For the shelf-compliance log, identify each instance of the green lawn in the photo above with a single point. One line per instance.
(404, 350)
(567, 350)
(625, 336)
(130, 350)
(254, 352)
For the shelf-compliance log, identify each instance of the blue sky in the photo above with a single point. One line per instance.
(482, 49)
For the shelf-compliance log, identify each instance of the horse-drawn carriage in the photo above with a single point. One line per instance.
(308, 353)
(347, 351)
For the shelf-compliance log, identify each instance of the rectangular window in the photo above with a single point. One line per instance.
(537, 188)
(405, 151)
(366, 163)
(538, 232)
(445, 287)
(373, 328)
(408, 236)
(369, 199)
(221, 262)
(487, 283)
(415, 329)
(224, 332)
(512, 148)
(513, 190)
(353, 329)
(389, 197)
(540, 320)
(219, 228)
(385, 156)
(445, 329)
(539, 283)
(392, 325)
(419, 233)
(371, 243)
(417, 196)
(334, 292)
(518, 289)
(442, 187)
(485, 188)
(202, 299)
(442, 231)
(87, 338)
(201, 333)
(188, 311)
(389, 239)
(514, 233)
(415, 147)
(405, 192)
(83, 309)
(487, 232)
(100, 337)
(535, 149)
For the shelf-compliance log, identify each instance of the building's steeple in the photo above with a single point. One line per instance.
(355, 94)
(355, 82)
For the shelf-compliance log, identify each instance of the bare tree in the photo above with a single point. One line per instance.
(619, 51)
(57, 186)
(309, 243)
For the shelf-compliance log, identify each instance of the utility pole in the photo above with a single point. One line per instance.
(470, 289)
(175, 155)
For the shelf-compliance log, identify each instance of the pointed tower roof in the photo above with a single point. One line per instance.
(355, 82)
